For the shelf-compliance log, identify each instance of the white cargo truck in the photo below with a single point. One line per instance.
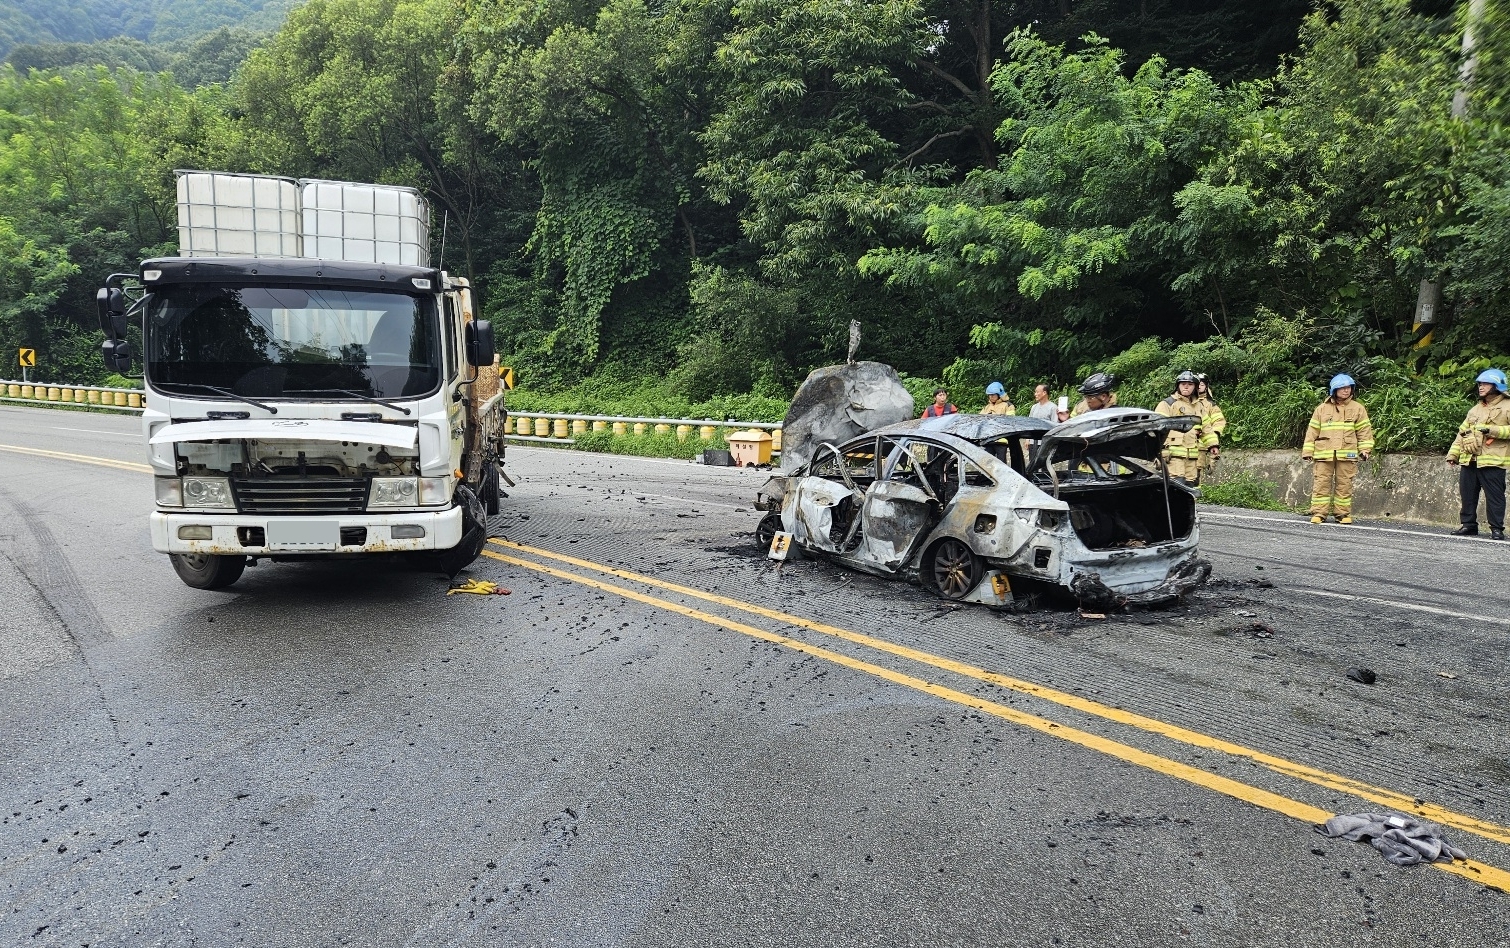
(314, 387)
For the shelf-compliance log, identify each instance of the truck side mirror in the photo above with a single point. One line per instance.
(480, 350)
(117, 355)
(111, 303)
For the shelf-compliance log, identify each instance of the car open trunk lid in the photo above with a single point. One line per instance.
(1127, 432)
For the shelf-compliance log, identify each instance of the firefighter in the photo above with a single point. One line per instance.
(1213, 422)
(1183, 449)
(1481, 452)
(1338, 437)
(997, 402)
(1098, 393)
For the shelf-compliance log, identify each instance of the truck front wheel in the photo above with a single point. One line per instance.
(207, 570)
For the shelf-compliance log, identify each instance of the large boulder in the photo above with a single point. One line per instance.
(836, 403)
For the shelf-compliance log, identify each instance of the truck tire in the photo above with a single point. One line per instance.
(207, 570)
(474, 533)
(489, 490)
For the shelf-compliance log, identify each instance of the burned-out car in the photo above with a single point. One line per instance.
(969, 505)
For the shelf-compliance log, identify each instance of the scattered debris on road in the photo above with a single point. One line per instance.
(1446, 675)
(1363, 675)
(1401, 840)
(478, 587)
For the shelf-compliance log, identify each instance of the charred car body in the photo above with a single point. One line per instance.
(965, 504)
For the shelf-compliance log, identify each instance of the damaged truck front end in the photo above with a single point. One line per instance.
(300, 408)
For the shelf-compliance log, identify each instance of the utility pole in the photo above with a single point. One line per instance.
(1429, 297)
(1470, 59)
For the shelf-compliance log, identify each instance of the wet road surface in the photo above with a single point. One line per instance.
(661, 738)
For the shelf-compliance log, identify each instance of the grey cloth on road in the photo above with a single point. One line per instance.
(1401, 840)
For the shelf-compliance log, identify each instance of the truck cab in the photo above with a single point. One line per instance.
(298, 407)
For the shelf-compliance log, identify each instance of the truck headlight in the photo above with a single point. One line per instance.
(394, 492)
(170, 491)
(207, 492)
(434, 491)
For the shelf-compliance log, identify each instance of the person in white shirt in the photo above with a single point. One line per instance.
(1043, 406)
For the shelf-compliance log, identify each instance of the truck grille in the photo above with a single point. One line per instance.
(300, 495)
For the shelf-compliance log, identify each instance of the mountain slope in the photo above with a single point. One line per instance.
(86, 21)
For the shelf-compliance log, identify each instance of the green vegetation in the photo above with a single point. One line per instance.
(677, 209)
(1245, 489)
(44, 23)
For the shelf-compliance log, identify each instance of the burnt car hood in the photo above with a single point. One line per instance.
(1128, 432)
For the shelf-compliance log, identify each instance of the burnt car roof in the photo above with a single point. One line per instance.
(973, 428)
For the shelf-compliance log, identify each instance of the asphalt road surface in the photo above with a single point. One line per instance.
(662, 738)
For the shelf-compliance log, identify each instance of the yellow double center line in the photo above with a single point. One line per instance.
(80, 458)
(1479, 872)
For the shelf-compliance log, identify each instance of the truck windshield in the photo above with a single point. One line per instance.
(268, 341)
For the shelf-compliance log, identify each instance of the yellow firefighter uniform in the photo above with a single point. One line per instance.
(1484, 449)
(1002, 407)
(1183, 449)
(1213, 423)
(1338, 435)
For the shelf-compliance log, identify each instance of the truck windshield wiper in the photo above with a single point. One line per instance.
(346, 391)
(227, 393)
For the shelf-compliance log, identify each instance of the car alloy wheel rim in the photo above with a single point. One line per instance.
(953, 569)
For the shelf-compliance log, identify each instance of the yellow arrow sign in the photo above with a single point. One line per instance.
(506, 375)
(28, 358)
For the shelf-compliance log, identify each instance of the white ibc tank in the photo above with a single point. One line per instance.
(366, 223)
(249, 215)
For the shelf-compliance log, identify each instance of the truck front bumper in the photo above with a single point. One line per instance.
(247, 534)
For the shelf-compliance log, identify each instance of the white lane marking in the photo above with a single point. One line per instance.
(1413, 606)
(119, 434)
(683, 500)
(1340, 529)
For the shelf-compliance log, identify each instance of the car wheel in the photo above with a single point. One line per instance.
(208, 570)
(766, 531)
(955, 569)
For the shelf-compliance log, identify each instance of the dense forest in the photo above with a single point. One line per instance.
(53, 22)
(675, 207)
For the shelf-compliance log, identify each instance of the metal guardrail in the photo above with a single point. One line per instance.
(120, 399)
(544, 427)
(562, 428)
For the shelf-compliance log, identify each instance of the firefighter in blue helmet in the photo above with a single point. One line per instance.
(997, 402)
(1338, 437)
(1481, 452)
